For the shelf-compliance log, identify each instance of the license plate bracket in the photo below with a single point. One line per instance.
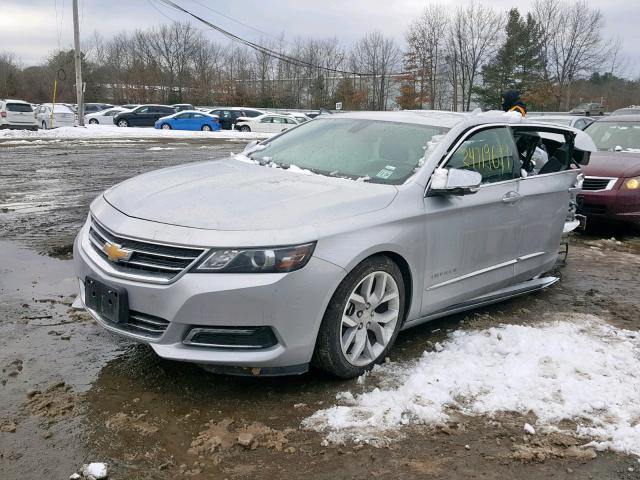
(110, 302)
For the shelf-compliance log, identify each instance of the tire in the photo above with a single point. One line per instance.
(165, 126)
(245, 128)
(206, 128)
(44, 126)
(587, 114)
(344, 346)
(93, 121)
(123, 123)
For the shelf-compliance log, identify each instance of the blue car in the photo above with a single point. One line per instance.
(189, 120)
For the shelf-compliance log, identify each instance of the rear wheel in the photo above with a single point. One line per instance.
(245, 128)
(44, 126)
(123, 123)
(206, 128)
(362, 320)
(166, 126)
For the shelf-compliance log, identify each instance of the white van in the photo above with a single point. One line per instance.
(16, 114)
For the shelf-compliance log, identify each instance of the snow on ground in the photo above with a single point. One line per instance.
(573, 367)
(108, 131)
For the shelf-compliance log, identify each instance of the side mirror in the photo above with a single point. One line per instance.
(453, 181)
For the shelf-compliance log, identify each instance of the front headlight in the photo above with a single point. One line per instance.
(631, 183)
(256, 260)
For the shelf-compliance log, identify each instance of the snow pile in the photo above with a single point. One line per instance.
(111, 131)
(578, 368)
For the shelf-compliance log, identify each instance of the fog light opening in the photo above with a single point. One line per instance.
(231, 337)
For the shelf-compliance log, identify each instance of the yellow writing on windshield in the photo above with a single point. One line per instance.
(488, 157)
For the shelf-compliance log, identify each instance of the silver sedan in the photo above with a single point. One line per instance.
(317, 246)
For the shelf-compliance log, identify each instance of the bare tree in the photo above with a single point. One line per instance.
(426, 39)
(474, 38)
(379, 58)
(573, 43)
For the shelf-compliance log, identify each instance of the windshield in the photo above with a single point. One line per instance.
(583, 105)
(379, 151)
(609, 135)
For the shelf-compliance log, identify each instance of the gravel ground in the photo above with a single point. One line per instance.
(71, 393)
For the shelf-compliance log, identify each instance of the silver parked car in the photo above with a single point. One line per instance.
(588, 109)
(319, 245)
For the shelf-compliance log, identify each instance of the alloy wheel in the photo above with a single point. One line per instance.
(369, 318)
(166, 126)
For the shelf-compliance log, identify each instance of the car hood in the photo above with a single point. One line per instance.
(613, 164)
(235, 195)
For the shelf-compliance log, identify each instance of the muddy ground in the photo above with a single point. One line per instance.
(71, 393)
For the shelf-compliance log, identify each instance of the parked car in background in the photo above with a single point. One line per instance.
(229, 116)
(299, 117)
(189, 120)
(571, 120)
(17, 114)
(267, 123)
(588, 109)
(180, 107)
(105, 117)
(142, 116)
(630, 110)
(611, 188)
(251, 265)
(130, 106)
(95, 107)
(55, 115)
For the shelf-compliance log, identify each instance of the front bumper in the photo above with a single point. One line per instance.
(616, 205)
(292, 304)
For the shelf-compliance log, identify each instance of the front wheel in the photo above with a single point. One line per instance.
(123, 123)
(206, 128)
(245, 128)
(166, 126)
(362, 320)
(93, 121)
(44, 126)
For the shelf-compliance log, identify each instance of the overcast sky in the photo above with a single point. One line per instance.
(31, 29)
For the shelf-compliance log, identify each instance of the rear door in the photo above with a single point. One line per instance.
(19, 113)
(471, 239)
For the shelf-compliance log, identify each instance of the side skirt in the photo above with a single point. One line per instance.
(487, 299)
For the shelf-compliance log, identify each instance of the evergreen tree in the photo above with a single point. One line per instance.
(517, 64)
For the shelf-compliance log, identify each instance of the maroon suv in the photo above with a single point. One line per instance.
(611, 189)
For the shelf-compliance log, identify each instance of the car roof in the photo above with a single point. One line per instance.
(421, 117)
(556, 117)
(7, 100)
(621, 118)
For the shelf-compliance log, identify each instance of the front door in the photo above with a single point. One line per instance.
(544, 205)
(471, 239)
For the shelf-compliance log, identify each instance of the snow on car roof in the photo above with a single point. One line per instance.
(440, 118)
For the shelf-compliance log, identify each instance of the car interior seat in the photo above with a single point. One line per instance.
(560, 160)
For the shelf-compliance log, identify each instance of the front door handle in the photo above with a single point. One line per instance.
(511, 197)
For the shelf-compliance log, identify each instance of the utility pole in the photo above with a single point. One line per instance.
(78, 59)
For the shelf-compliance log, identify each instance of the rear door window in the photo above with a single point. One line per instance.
(19, 107)
(491, 152)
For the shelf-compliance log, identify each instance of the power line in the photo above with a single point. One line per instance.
(267, 51)
(240, 23)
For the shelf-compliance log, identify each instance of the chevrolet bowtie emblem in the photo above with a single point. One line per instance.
(116, 253)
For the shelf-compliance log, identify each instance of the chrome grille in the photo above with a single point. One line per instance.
(598, 183)
(155, 261)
